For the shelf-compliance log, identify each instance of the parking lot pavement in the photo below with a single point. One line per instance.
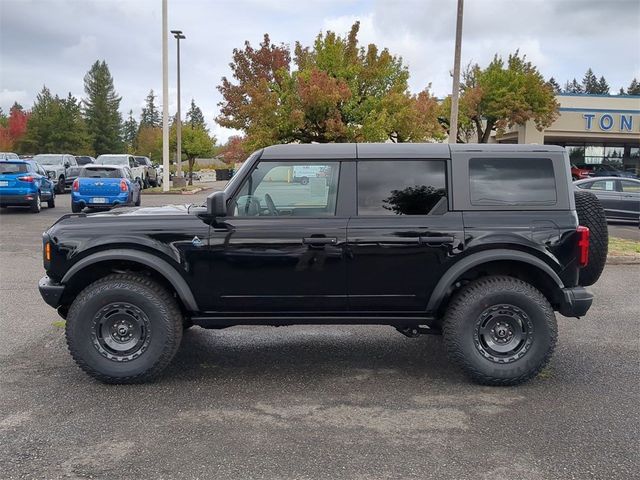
(310, 402)
(628, 231)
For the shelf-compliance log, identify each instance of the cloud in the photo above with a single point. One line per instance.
(54, 42)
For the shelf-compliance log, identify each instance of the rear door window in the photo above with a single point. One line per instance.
(400, 187)
(512, 181)
(630, 187)
(604, 185)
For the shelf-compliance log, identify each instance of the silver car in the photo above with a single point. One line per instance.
(620, 197)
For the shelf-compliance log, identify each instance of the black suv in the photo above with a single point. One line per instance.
(478, 242)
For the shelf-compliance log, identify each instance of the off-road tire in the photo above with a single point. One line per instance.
(591, 215)
(467, 306)
(36, 204)
(164, 332)
(76, 208)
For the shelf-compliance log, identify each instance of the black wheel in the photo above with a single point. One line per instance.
(60, 186)
(51, 203)
(304, 180)
(591, 215)
(139, 200)
(76, 207)
(36, 204)
(124, 328)
(500, 330)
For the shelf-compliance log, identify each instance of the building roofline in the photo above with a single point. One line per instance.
(595, 95)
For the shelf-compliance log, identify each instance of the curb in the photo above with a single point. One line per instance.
(623, 260)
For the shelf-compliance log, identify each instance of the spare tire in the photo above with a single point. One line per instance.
(591, 215)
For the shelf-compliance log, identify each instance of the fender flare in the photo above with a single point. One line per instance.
(479, 258)
(159, 265)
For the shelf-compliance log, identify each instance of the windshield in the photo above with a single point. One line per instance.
(48, 159)
(96, 172)
(113, 160)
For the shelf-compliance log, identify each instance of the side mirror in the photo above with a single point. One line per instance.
(217, 204)
(67, 164)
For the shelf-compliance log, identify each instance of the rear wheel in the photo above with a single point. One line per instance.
(591, 215)
(500, 330)
(36, 204)
(124, 328)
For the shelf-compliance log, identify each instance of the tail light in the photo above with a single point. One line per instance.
(26, 178)
(123, 186)
(583, 246)
(76, 185)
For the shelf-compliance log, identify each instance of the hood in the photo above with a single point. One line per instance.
(147, 211)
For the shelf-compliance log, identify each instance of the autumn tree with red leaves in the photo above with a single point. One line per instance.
(16, 126)
(338, 92)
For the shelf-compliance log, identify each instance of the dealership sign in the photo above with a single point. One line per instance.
(611, 122)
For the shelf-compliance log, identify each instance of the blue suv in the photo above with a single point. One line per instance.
(24, 183)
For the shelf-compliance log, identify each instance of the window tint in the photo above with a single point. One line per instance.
(604, 185)
(7, 167)
(287, 189)
(512, 181)
(400, 187)
(630, 187)
(97, 172)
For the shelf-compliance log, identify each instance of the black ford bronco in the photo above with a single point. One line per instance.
(481, 243)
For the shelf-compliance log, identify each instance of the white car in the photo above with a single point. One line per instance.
(126, 161)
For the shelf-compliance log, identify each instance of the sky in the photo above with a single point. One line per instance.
(54, 42)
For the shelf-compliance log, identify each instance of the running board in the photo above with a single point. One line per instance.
(221, 320)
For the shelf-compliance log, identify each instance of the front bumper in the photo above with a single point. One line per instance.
(51, 291)
(576, 302)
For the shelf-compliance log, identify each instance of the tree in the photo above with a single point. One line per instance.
(130, 132)
(195, 118)
(3, 118)
(590, 83)
(573, 87)
(104, 121)
(634, 88)
(14, 128)
(339, 92)
(621, 91)
(196, 142)
(553, 84)
(56, 125)
(149, 142)
(503, 95)
(603, 86)
(234, 151)
(150, 114)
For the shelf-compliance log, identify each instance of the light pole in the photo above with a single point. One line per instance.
(165, 99)
(180, 179)
(453, 122)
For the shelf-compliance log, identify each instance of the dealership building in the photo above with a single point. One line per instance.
(593, 128)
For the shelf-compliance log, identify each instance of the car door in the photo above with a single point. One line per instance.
(607, 192)
(402, 234)
(281, 248)
(630, 199)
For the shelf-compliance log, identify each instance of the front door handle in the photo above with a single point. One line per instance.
(436, 240)
(319, 240)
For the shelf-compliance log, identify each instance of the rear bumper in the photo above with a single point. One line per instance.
(17, 200)
(576, 302)
(111, 201)
(50, 291)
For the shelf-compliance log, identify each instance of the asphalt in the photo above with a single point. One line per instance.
(312, 402)
(628, 231)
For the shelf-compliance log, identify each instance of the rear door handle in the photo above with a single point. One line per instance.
(319, 240)
(436, 240)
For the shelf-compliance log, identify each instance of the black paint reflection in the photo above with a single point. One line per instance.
(418, 200)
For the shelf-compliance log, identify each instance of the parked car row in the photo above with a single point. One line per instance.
(619, 196)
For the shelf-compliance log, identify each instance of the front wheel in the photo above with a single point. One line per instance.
(124, 328)
(51, 203)
(500, 330)
(76, 208)
(139, 200)
(60, 186)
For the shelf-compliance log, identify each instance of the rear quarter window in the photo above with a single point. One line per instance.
(512, 181)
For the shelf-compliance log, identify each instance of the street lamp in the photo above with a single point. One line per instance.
(178, 35)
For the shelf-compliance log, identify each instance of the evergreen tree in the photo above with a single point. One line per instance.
(3, 118)
(150, 113)
(634, 88)
(104, 121)
(129, 132)
(573, 87)
(603, 86)
(70, 134)
(621, 92)
(195, 118)
(553, 84)
(590, 82)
